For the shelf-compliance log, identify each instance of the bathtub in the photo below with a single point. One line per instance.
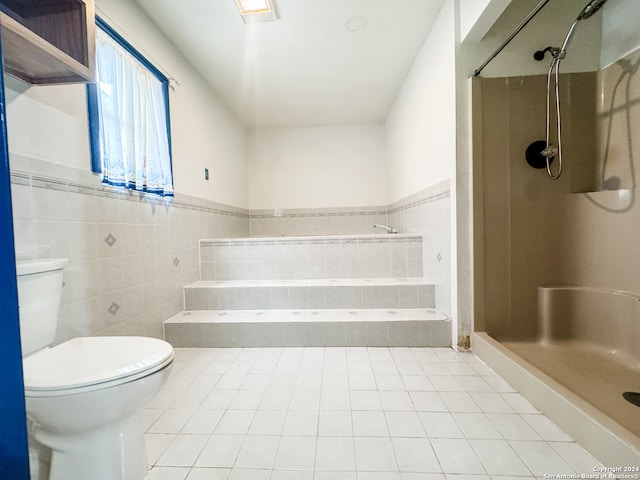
(585, 356)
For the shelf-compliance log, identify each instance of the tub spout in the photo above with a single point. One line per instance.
(388, 229)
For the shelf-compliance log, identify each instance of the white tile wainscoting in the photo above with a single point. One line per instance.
(130, 255)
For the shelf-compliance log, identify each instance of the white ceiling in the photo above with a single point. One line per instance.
(305, 68)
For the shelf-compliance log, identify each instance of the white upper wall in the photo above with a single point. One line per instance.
(317, 167)
(477, 17)
(50, 122)
(421, 127)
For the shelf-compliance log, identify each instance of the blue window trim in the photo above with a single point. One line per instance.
(92, 98)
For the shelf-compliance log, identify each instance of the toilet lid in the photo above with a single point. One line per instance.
(92, 360)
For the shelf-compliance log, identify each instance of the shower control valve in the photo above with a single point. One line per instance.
(549, 152)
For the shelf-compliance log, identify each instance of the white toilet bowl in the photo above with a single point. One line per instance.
(84, 397)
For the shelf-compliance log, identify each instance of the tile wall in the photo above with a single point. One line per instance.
(428, 213)
(317, 221)
(130, 255)
(312, 257)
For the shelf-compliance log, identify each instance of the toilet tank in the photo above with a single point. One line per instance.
(39, 292)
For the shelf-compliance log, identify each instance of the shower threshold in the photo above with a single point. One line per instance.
(577, 386)
(592, 373)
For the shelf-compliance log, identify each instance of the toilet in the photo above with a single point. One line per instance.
(84, 397)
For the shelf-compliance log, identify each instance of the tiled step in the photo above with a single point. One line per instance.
(423, 327)
(360, 293)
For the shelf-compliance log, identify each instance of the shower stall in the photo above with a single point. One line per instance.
(557, 289)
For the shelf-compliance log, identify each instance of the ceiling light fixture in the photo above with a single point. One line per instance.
(256, 10)
(356, 23)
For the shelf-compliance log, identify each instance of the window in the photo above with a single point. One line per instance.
(129, 117)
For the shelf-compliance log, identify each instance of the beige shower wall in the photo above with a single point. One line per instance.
(618, 109)
(603, 238)
(519, 213)
(530, 231)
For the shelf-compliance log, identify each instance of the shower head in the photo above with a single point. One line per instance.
(539, 54)
(590, 9)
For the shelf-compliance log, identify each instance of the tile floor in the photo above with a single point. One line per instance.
(348, 414)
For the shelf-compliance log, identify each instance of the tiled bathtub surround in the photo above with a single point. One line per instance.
(316, 221)
(312, 257)
(428, 213)
(281, 306)
(129, 254)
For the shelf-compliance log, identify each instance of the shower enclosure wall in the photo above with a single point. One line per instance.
(579, 233)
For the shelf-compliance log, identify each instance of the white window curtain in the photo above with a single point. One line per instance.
(134, 140)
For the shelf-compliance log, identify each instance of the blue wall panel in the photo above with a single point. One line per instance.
(14, 458)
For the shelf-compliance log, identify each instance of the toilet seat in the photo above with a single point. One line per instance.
(92, 363)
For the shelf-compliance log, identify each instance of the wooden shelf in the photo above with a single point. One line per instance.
(27, 55)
